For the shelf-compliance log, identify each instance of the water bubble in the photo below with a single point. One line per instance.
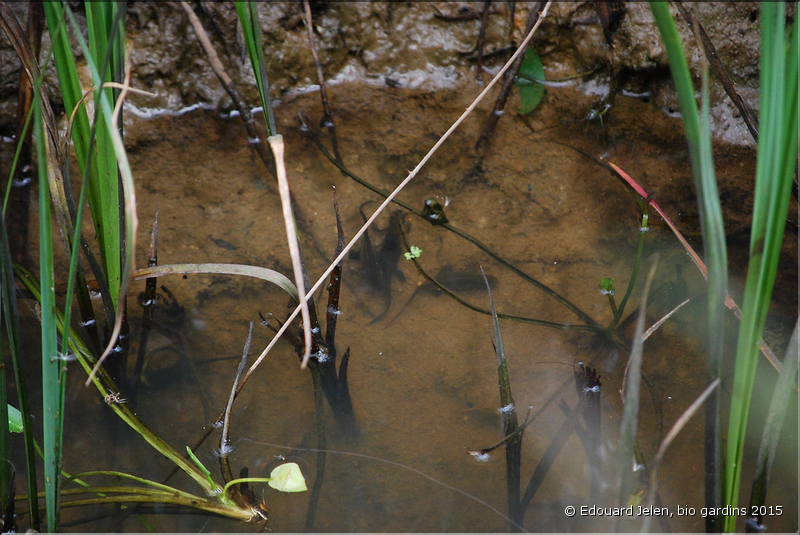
(507, 409)
(69, 357)
(223, 451)
(481, 457)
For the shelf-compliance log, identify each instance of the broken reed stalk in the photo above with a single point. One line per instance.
(322, 448)
(487, 4)
(224, 439)
(508, 411)
(748, 114)
(148, 311)
(588, 385)
(327, 116)
(229, 85)
(535, 17)
(276, 144)
(394, 193)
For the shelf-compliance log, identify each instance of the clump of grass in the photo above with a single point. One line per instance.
(777, 156)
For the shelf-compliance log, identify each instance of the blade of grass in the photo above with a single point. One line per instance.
(100, 174)
(52, 380)
(11, 323)
(251, 29)
(131, 221)
(227, 269)
(101, 20)
(6, 474)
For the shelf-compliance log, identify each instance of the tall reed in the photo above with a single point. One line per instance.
(777, 156)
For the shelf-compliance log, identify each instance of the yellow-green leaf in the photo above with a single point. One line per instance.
(288, 478)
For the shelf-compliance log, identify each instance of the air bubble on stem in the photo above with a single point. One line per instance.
(223, 451)
(69, 357)
(507, 409)
(481, 457)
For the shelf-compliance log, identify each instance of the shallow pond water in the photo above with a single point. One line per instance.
(423, 378)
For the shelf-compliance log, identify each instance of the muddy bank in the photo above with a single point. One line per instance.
(406, 45)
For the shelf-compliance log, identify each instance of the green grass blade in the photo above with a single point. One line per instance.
(248, 16)
(98, 163)
(52, 399)
(777, 154)
(100, 19)
(105, 385)
(131, 220)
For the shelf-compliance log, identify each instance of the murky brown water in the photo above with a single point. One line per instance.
(424, 386)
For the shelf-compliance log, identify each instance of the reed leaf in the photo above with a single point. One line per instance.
(248, 17)
(110, 117)
(52, 378)
(97, 163)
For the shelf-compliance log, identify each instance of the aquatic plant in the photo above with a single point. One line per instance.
(777, 157)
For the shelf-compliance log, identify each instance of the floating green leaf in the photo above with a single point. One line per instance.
(531, 90)
(288, 478)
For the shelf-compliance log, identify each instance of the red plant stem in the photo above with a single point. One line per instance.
(729, 302)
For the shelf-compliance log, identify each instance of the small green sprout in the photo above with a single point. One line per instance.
(415, 252)
(201, 466)
(14, 420)
(607, 286)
